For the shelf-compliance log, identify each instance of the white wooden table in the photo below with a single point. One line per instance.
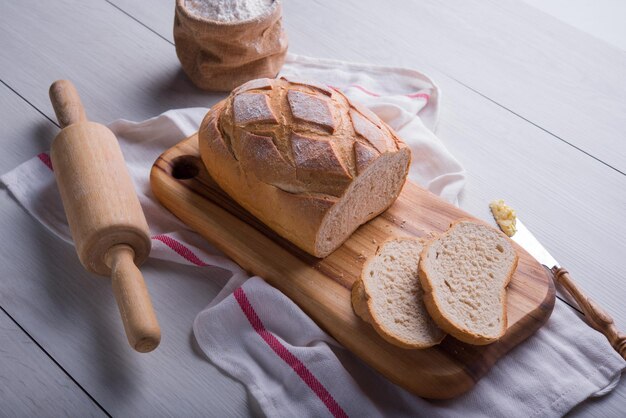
(534, 109)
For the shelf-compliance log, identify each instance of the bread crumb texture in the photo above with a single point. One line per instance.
(394, 295)
(465, 272)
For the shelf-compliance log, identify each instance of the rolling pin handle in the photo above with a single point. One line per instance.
(140, 322)
(66, 103)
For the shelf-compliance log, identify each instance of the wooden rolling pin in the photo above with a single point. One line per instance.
(107, 223)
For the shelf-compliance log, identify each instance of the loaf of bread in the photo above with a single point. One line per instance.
(389, 296)
(303, 159)
(464, 274)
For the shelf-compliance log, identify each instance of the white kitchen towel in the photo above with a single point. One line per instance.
(294, 369)
(261, 338)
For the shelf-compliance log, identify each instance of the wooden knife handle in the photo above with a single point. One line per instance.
(66, 103)
(596, 317)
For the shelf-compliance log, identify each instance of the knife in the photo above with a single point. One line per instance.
(596, 317)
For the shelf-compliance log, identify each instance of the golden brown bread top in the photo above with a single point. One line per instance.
(302, 137)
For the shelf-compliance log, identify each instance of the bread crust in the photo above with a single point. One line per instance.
(359, 301)
(437, 313)
(278, 204)
(362, 305)
(291, 173)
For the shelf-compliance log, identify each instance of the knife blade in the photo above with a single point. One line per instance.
(595, 316)
(527, 241)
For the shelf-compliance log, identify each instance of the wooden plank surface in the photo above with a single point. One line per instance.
(32, 382)
(132, 72)
(547, 77)
(25, 131)
(102, 50)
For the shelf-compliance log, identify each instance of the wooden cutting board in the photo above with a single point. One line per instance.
(321, 287)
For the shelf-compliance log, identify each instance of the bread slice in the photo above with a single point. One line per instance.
(389, 296)
(464, 274)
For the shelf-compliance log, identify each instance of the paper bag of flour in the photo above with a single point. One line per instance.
(224, 43)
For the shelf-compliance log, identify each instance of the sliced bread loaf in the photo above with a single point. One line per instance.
(303, 159)
(464, 274)
(389, 296)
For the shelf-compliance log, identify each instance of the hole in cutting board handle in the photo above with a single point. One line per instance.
(186, 167)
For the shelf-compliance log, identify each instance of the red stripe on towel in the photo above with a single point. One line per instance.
(419, 96)
(179, 248)
(364, 90)
(288, 357)
(298, 367)
(45, 158)
(424, 96)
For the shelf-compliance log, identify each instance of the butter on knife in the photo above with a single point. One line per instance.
(504, 215)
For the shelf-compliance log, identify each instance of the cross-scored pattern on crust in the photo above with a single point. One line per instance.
(309, 108)
(317, 155)
(252, 108)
